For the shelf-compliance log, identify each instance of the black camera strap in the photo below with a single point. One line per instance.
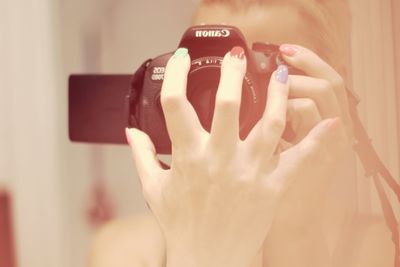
(374, 167)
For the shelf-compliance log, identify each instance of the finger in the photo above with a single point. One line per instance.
(181, 119)
(309, 62)
(225, 124)
(144, 155)
(303, 115)
(282, 146)
(319, 90)
(265, 136)
(320, 148)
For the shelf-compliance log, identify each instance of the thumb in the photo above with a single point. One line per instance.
(144, 155)
(317, 151)
(323, 144)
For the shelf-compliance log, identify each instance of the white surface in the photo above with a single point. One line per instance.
(122, 34)
(30, 156)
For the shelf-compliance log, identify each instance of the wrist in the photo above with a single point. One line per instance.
(190, 258)
(205, 255)
(300, 246)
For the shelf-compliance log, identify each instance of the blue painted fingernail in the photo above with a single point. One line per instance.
(180, 52)
(281, 74)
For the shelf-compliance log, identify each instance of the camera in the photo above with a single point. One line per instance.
(101, 106)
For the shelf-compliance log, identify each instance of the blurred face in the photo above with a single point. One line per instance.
(274, 24)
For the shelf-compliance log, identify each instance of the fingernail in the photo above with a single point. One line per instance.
(180, 52)
(128, 136)
(289, 50)
(281, 74)
(237, 52)
(334, 123)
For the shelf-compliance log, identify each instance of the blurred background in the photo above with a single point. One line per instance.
(54, 194)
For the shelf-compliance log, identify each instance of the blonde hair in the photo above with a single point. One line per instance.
(329, 20)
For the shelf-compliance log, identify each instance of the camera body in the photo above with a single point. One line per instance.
(207, 47)
(101, 114)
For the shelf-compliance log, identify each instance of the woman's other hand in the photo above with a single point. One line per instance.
(318, 96)
(299, 218)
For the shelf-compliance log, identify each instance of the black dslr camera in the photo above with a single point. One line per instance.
(101, 106)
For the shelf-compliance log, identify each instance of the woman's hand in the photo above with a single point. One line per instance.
(217, 202)
(319, 95)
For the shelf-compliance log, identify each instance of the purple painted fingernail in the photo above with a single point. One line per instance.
(281, 74)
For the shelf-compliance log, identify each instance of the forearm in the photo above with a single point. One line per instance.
(306, 247)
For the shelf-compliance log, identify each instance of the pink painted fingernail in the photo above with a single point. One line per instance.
(237, 52)
(289, 50)
(128, 136)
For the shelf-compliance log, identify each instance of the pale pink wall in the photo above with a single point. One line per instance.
(374, 77)
(396, 36)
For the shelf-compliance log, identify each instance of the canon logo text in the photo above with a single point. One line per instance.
(212, 33)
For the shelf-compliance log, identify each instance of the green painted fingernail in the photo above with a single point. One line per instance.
(180, 52)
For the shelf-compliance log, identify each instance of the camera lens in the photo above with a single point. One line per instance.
(203, 81)
(201, 92)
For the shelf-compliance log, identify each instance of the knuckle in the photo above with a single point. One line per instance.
(182, 164)
(221, 152)
(307, 104)
(275, 125)
(214, 170)
(325, 86)
(325, 89)
(171, 102)
(186, 160)
(338, 81)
